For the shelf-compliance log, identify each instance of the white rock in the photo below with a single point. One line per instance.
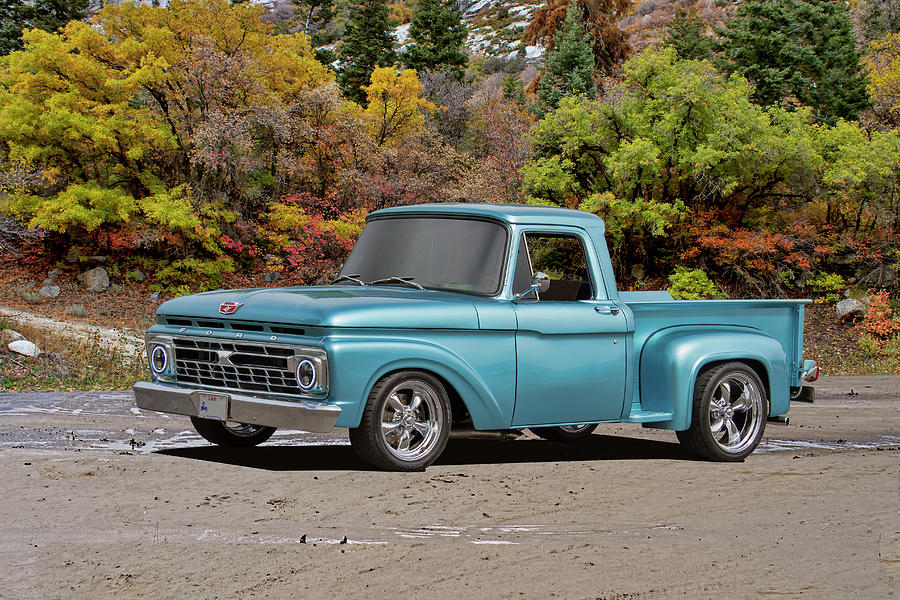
(850, 308)
(50, 291)
(533, 52)
(475, 7)
(95, 280)
(24, 347)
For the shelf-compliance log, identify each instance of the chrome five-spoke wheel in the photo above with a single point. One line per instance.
(729, 413)
(411, 420)
(735, 412)
(405, 424)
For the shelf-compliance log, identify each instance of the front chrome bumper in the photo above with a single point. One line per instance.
(302, 414)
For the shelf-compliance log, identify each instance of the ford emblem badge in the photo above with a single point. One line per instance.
(227, 308)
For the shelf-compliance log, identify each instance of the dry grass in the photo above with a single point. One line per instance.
(66, 364)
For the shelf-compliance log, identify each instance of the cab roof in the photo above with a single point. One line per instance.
(517, 214)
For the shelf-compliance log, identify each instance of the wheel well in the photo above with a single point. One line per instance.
(458, 409)
(757, 367)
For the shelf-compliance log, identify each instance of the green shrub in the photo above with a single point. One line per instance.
(190, 275)
(692, 284)
(829, 284)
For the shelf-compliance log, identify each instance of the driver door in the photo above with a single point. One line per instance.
(570, 345)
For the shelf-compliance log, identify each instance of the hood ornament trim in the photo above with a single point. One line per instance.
(228, 308)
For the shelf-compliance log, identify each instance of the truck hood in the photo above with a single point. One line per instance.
(334, 306)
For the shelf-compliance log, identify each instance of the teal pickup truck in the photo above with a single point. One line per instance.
(475, 320)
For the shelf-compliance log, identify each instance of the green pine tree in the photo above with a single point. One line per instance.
(798, 53)
(438, 34)
(48, 15)
(569, 68)
(368, 43)
(513, 88)
(687, 35)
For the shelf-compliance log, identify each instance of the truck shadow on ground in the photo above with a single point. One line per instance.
(458, 453)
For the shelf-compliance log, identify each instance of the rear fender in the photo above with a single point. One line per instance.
(672, 359)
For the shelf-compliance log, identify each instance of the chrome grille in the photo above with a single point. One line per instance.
(236, 365)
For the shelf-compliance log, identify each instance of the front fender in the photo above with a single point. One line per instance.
(358, 361)
(672, 358)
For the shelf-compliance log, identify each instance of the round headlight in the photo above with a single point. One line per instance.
(159, 359)
(306, 374)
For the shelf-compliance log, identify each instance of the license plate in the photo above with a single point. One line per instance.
(213, 406)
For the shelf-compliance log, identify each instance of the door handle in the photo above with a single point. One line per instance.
(607, 310)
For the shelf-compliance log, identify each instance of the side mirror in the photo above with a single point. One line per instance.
(539, 285)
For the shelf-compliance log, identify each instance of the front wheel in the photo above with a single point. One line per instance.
(729, 413)
(222, 433)
(565, 433)
(405, 424)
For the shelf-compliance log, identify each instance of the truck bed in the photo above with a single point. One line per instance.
(656, 311)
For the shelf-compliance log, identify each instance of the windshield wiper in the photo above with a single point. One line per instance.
(354, 278)
(404, 280)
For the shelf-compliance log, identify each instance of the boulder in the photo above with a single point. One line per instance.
(154, 297)
(851, 308)
(271, 277)
(50, 291)
(7, 336)
(95, 280)
(52, 275)
(138, 275)
(24, 347)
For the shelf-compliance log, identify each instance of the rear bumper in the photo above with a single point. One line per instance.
(302, 414)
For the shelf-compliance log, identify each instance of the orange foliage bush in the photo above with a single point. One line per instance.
(880, 320)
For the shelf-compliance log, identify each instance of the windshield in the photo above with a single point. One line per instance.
(463, 255)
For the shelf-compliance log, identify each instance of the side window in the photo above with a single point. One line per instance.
(562, 257)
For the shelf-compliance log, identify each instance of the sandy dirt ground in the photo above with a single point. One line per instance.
(101, 500)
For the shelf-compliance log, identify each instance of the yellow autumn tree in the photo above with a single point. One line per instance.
(396, 106)
(173, 119)
(883, 64)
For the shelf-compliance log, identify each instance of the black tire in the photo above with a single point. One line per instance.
(399, 432)
(231, 434)
(729, 413)
(566, 434)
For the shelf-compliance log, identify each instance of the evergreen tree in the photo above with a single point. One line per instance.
(11, 24)
(600, 18)
(368, 43)
(438, 34)
(513, 88)
(687, 36)
(798, 53)
(48, 15)
(569, 68)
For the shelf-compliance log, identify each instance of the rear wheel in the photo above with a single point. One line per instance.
(405, 424)
(230, 433)
(565, 433)
(729, 413)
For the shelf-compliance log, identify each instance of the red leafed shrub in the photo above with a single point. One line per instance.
(310, 238)
(755, 258)
(880, 320)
